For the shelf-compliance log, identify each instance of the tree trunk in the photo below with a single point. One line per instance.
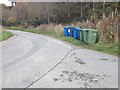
(48, 14)
(103, 8)
(93, 12)
(116, 38)
(104, 4)
(68, 12)
(81, 10)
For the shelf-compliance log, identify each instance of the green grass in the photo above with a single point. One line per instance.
(110, 48)
(5, 35)
(106, 47)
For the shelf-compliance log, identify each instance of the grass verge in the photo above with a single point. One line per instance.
(106, 47)
(5, 35)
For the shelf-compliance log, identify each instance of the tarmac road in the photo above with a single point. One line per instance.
(37, 61)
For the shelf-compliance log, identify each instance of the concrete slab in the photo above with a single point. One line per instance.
(28, 56)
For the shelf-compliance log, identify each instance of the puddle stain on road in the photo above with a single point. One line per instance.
(84, 79)
(79, 60)
(106, 59)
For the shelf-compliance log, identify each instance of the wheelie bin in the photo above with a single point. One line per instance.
(66, 31)
(80, 35)
(71, 31)
(85, 35)
(92, 36)
(75, 32)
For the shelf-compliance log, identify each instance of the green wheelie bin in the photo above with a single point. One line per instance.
(85, 35)
(80, 35)
(92, 36)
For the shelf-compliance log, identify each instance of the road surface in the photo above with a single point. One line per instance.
(37, 61)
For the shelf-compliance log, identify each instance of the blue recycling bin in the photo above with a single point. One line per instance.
(66, 31)
(75, 32)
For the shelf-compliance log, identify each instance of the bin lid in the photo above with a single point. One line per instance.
(92, 30)
(83, 29)
(89, 29)
(66, 26)
(76, 28)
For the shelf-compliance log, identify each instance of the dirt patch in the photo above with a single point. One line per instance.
(84, 79)
(79, 60)
(104, 59)
(55, 79)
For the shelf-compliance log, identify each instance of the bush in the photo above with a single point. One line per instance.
(108, 29)
(11, 20)
(51, 28)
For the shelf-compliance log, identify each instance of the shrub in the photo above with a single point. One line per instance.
(11, 20)
(51, 28)
(108, 28)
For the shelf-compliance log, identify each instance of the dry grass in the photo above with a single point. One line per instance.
(85, 24)
(51, 28)
(107, 28)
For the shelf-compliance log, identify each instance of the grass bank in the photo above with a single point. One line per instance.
(5, 35)
(106, 47)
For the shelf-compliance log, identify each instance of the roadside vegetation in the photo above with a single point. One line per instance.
(4, 34)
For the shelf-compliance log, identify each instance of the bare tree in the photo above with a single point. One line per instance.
(103, 8)
(48, 14)
(68, 12)
(81, 10)
(93, 10)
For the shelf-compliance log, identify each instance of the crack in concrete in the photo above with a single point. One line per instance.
(50, 69)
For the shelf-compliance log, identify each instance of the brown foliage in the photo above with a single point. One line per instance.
(108, 28)
(11, 19)
(51, 28)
